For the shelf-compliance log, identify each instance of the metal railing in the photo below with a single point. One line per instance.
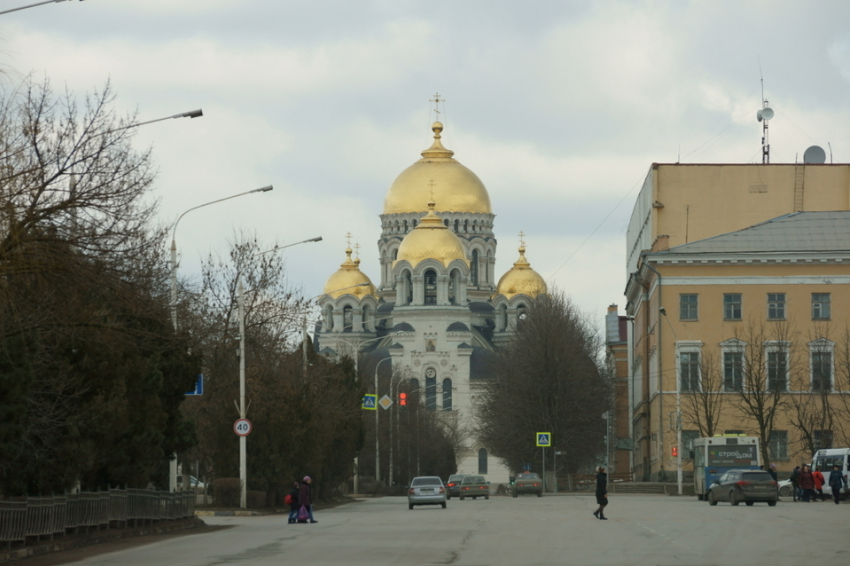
(25, 517)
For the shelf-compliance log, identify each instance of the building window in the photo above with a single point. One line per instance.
(821, 371)
(732, 306)
(473, 268)
(482, 461)
(733, 371)
(688, 307)
(820, 306)
(447, 394)
(430, 287)
(689, 371)
(688, 437)
(823, 439)
(777, 370)
(776, 306)
(778, 445)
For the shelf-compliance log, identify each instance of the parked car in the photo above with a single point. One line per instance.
(474, 487)
(748, 486)
(193, 482)
(426, 490)
(528, 482)
(785, 488)
(453, 485)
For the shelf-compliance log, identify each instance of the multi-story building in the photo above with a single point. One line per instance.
(618, 441)
(733, 278)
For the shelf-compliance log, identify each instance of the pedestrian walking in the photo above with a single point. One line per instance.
(795, 483)
(772, 472)
(807, 483)
(836, 478)
(819, 481)
(601, 493)
(306, 499)
(294, 506)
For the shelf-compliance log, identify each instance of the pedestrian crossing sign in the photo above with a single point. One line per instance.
(370, 402)
(544, 439)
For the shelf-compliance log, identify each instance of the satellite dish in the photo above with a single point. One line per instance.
(766, 113)
(814, 154)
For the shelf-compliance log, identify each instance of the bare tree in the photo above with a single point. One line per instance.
(768, 366)
(548, 378)
(702, 408)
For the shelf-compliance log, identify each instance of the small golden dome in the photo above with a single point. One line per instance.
(521, 279)
(431, 240)
(345, 280)
(437, 174)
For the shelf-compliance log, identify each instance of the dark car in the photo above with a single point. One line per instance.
(453, 485)
(748, 486)
(527, 482)
(474, 487)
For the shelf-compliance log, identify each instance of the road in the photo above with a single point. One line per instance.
(528, 531)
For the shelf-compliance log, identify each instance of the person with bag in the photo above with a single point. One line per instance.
(601, 493)
(306, 500)
(807, 483)
(291, 499)
(836, 478)
(819, 481)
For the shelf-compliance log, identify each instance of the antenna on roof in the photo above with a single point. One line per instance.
(763, 115)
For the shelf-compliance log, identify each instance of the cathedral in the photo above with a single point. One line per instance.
(438, 312)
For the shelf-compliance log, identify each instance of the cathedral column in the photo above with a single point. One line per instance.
(338, 320)
(418, 290)
(400, 291)
(357, 320)
(461, 289)
(443, 290)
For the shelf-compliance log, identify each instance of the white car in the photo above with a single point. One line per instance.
(785, 488)
(426, 490)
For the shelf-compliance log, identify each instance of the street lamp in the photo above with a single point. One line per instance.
(377, 435)
(678, 378)
(32, 6)
(172, 482)
(243, 447)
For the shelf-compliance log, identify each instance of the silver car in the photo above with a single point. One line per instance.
(426, 490)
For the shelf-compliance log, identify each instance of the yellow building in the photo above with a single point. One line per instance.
(737, 327)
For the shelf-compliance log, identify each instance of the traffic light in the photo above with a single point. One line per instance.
(675, 451)
(402, 399)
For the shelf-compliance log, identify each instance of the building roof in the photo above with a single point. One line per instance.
(797, 232)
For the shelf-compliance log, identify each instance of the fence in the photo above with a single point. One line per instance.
(25, 517)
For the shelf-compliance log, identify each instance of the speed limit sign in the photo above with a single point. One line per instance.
(242, 427)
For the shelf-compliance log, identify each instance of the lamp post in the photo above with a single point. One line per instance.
(173, 467)
(377, 435)
(32, 6)
(678, 378)
(243, 441)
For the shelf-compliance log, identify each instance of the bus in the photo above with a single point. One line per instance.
(713, 456)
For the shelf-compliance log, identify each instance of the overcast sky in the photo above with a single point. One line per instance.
(559, 107)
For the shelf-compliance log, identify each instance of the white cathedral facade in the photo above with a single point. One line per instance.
(438, 312)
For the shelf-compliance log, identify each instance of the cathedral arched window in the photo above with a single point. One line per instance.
(446, 222)
(408, 288)
(395, 255)
(415, 223)
(457, 226)
(487, 265)
(414, 392)
(405, 226)
(447, 394)
(473, 268)
(431, 389)
(520, 313)
(347, 319)
(454, 287)
(482, 461)
(430, 287)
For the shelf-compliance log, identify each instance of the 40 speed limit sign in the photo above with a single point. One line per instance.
(242, 427)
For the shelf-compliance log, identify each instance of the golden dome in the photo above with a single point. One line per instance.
(431, 240)
(438, 176)
(346, 279)
(521, 279)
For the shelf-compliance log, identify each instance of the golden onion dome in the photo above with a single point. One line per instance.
(348, 280)
(437, 174)
(431, 240)
(521, 279)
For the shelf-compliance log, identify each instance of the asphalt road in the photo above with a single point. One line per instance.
(528, 531)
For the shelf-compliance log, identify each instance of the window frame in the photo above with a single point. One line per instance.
(689, 347)
(775, 347)
(818, 347)
(776, 304)
(783, 445)
(730, 304)
(733, 346)
(822, 305)
(683, 306)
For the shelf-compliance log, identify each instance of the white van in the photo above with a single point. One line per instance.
(826, 459)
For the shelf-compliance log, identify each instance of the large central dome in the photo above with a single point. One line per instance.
(439, 177)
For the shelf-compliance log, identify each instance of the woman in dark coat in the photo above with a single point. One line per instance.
(807, 483)
(305, 498)
(293, 504)
(601, 493)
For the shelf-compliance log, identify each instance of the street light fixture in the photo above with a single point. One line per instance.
(33, 6)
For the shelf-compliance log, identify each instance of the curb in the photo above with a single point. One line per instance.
(231, 513)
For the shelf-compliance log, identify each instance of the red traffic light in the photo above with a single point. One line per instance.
(402, 399)
(675, 451)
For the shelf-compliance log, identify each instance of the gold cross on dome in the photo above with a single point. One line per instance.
(437, 100)
(522, 238)
(348, 239)
(357, 251)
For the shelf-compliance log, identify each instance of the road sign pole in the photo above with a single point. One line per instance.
(544, 468)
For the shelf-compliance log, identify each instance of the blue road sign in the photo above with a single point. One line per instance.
(370, 402)
(526, 467)
(544, 439)
(199, 386)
